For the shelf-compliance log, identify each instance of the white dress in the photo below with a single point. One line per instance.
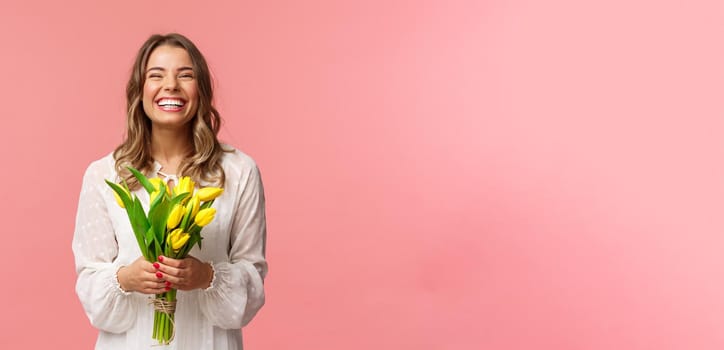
(234, 243)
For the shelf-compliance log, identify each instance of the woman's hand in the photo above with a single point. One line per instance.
(186, 274)
(141, 276)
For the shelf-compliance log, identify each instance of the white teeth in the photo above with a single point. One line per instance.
(170, 102)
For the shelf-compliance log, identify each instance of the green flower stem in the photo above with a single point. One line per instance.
(155, 319)
(163, 327)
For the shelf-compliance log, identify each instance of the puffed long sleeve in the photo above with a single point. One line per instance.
(95, 248)
(237, 290)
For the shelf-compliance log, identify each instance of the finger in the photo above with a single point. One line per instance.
(174, 280)
(172, 262)
(154, 276)
(157, 285)
(171, 271)
(168, 286)
(148, 267)
(142, 264)
(153, 290)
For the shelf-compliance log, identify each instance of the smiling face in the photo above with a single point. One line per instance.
(170, 91)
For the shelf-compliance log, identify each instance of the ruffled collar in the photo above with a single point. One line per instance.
(166, 177)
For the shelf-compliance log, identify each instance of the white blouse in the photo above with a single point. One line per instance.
(234, 243)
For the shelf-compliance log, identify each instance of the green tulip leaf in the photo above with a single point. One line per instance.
(149, 235)
(125, 197)
(157, 215)
(142, 179)
(179, 198)
(140, 224)
(193, 239)
(154, 246)
(207, 204)
(185, 221)
(158, 198)
(195, 230)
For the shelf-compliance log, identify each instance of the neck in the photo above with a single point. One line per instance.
(169, 147)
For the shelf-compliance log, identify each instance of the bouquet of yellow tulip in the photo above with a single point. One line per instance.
(171, 228)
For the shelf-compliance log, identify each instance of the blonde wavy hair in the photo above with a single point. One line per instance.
(203, 163)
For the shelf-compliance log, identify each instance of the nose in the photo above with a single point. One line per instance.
(170, 83)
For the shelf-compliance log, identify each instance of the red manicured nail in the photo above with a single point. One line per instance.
(160, 258)
(156, 265)
(159, 275)
(167, 288)
(168, 284)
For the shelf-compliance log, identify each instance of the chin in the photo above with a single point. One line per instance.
(170, 122)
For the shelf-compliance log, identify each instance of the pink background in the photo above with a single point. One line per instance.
(439, 174)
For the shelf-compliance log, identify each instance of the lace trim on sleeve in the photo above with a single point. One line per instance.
(117, 284)
(213, 283)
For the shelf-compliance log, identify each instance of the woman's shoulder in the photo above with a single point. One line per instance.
(239, 167)
(236, 160)
(104, 168)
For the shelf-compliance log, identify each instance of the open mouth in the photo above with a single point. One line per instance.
(171, 104)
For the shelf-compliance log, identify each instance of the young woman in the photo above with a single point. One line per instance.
(172, 132)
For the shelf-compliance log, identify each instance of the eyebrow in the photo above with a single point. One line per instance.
(163, 70)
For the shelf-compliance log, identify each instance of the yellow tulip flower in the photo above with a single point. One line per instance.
(157, 182)
(205, 216)
(193, 206)
(208, 193)
(175, 216)
(185, 185)
(118, 198)
(171, 237)
(154, 194)
(177, 239)
(180, 242)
